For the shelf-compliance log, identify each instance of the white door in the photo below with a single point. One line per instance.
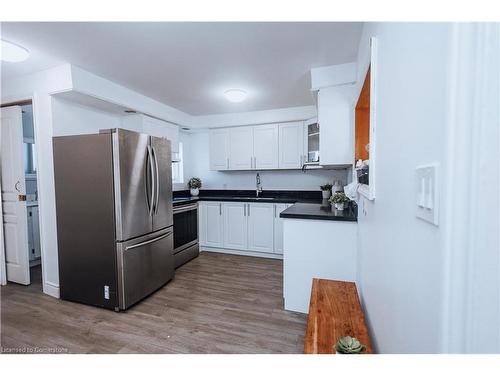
(219, 149)
(291, 143)
(278, 227)
(265, 147)
(15, 226)
(235, 225)
(241, 148)
(211, 224)
(260, 227)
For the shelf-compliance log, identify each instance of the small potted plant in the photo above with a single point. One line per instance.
(339, 200)
(349, 345)
(194, 185)
(326, 190)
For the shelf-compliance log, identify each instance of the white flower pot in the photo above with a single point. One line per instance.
(326, 194)
(339, 206)
(194, 192)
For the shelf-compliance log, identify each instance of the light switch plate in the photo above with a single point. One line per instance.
(427, 192)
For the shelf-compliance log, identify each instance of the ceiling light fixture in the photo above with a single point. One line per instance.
(235, 95)
(11, 52)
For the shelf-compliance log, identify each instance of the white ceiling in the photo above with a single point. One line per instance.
(189, 65)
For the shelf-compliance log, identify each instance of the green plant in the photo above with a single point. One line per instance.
(339, 198)
(326, 187)
(349, 345)
(194, 183)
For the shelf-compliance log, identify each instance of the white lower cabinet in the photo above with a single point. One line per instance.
(260, 227)
(235, 225)
(278, 227)
(211, 224)
(252, 227)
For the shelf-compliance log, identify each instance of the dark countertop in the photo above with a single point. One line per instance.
(268, 196)
(322, 211)
(307, 204)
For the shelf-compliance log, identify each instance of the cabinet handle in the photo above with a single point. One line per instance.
(248, 209)
(227, 163)
(220, 209)
(244, 210)
(275, 211)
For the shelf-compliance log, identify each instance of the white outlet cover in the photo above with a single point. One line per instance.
(427, 192)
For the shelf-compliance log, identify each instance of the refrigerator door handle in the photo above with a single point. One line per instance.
(149, 241)
(153, 180)
(157, 199)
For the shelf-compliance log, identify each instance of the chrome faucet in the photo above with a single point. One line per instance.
(258, 186)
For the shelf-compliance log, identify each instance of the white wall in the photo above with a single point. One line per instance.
(70, 118)
(401, 258)
(196, 151)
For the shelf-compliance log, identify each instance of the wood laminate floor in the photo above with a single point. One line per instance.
(217, 303)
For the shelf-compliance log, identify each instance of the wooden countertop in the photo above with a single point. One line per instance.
(334, 311)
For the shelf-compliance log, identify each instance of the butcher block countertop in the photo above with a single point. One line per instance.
(334, 311)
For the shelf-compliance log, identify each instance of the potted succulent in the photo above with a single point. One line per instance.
(326, 190)
(339, 200)
(194, 185)
(349, 345)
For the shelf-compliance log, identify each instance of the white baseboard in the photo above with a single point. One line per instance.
(51, 289)
(241, 252)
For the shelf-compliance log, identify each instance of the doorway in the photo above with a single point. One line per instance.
(19, 191)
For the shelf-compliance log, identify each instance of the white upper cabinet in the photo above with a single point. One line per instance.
(219, 149)
(265, 147)
(241, 148)
(260, 227)
(291, 145)
(152, 126)
(335, 116)
(235, 225)
(258, 147)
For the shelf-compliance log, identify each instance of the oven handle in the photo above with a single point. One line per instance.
(180, 209)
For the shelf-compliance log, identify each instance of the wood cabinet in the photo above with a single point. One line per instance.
(210, 224)
(235, 225)
(278, 227)
(219, 149)
(265, 147)
(260, 227)
(291, 145)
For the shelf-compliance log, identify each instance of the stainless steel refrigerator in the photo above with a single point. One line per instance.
(114, 216)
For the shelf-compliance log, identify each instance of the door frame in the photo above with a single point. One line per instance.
(23, 100)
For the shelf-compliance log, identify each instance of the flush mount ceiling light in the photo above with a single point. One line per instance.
(235, 95)
(11, 52)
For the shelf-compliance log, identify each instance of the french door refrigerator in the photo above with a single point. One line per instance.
(114, 216)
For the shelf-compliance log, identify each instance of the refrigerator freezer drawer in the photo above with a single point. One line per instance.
(145, 264)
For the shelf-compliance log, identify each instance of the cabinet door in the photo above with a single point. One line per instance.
(265, 147)
(291, 143)
(335, 114)
(241, 148)
(211, 224)
(260, 227)
(219, 149)
(278, 227)
(235, 225)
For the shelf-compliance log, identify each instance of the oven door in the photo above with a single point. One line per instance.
(185, 226)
